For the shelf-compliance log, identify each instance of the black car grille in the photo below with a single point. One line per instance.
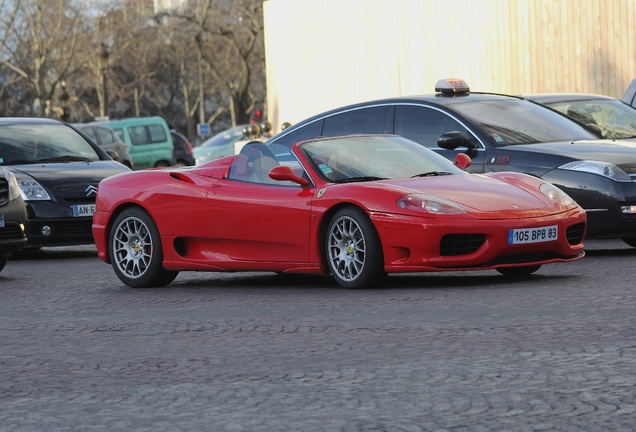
(4, 190)
(574, 233)
(64, 231)
(460, 244)
(78, 192)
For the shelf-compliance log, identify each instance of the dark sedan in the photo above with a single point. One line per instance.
(58, 172)
(12, 216)
(500, 133)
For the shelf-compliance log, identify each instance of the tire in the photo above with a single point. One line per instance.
(518, 271)
(135, 250)
(353, 250)
(630, 241)
(3, 262)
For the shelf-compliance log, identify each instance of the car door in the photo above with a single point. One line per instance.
(425, 125)
(262, 221)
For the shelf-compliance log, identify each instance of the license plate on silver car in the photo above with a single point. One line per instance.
(81, 210)
(533, 235)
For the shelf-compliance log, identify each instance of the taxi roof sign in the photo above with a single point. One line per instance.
(451, 86)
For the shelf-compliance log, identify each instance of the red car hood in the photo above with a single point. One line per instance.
(474, 192)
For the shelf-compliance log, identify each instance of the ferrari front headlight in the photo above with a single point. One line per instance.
(555, 194)
(429, 204)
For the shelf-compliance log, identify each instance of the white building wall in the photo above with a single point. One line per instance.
(322, 54)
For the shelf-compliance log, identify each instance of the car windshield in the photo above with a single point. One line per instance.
(615, 119)
(27, 143)
(366, 158)
(229, 136)
(513, 121)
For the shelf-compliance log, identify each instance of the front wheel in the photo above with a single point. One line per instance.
(354, 250)
(135, 250)
(518, 271)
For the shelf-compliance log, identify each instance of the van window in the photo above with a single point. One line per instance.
(140, 135)
(157, 133)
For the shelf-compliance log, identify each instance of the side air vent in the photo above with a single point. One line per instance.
(574, 233)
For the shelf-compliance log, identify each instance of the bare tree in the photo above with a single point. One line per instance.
(230, 43)
(39, 45)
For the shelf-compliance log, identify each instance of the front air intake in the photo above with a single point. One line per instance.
(460, 244)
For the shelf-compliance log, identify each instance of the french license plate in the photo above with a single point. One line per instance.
(533, 235)
(1, 221)
(81, 210)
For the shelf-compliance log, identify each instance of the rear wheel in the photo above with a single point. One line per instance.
(354, 250)
(135, 250)
(518, 271)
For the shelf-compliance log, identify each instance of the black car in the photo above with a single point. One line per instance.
(12, 216)
(58, 171)
(500, 133)
(182, 152)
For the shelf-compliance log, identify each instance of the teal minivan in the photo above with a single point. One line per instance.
(148, 138)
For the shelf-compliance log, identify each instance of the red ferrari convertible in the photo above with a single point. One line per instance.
(358, 207)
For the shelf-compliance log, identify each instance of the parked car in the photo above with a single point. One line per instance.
(357, 207)
(58, 171)
(500, 133)
(12, 215)
(182, 149)
(221, 144)
(107, 139)
(148, 138)
(608, 117)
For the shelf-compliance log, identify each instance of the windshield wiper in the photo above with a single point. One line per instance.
(67, 158)
(359, 179)
(431, 174)
(18, 162)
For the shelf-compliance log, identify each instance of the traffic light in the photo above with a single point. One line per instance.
(256, 116)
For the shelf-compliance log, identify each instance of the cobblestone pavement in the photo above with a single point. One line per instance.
(466, 351)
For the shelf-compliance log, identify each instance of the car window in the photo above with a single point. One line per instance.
(309, 131)
(138, 135)
(425, 125)
(90, 132)
(157, 133)
(366, 158)
(615, 119)
(105, 136)
(26, 143)
(509, 121)
(360, 121)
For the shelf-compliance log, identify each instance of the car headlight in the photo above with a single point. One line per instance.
(429, 204)
(555, 194)
(604, 169)
(33, 191)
